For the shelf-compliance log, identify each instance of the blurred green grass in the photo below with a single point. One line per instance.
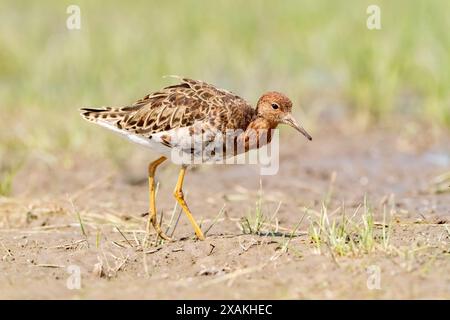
(307, 49)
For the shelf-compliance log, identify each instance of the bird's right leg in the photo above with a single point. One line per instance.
(152, 220)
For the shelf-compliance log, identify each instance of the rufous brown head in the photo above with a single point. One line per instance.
(277, 108)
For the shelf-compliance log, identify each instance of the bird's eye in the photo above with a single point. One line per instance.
(275, 106)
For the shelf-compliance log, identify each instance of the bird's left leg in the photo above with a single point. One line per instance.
(178, 194)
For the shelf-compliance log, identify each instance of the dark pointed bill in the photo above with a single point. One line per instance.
(290, 121)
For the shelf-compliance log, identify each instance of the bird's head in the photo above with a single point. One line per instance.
(277, 108)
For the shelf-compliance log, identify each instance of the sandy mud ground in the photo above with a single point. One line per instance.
(275, 243)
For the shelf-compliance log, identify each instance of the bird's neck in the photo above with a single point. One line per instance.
(258, 133)
(260, 123)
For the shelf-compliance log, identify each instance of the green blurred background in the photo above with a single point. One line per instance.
(318, 52)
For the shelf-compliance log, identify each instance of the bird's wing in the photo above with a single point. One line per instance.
(177, 106)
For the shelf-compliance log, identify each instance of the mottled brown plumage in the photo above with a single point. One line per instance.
(177, 106)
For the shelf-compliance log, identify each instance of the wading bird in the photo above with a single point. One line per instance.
(185, 116)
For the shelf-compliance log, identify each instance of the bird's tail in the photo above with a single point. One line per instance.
(104, 113)
(92, 114)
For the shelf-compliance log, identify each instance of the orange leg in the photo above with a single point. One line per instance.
(178, 194)
(152, 220)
